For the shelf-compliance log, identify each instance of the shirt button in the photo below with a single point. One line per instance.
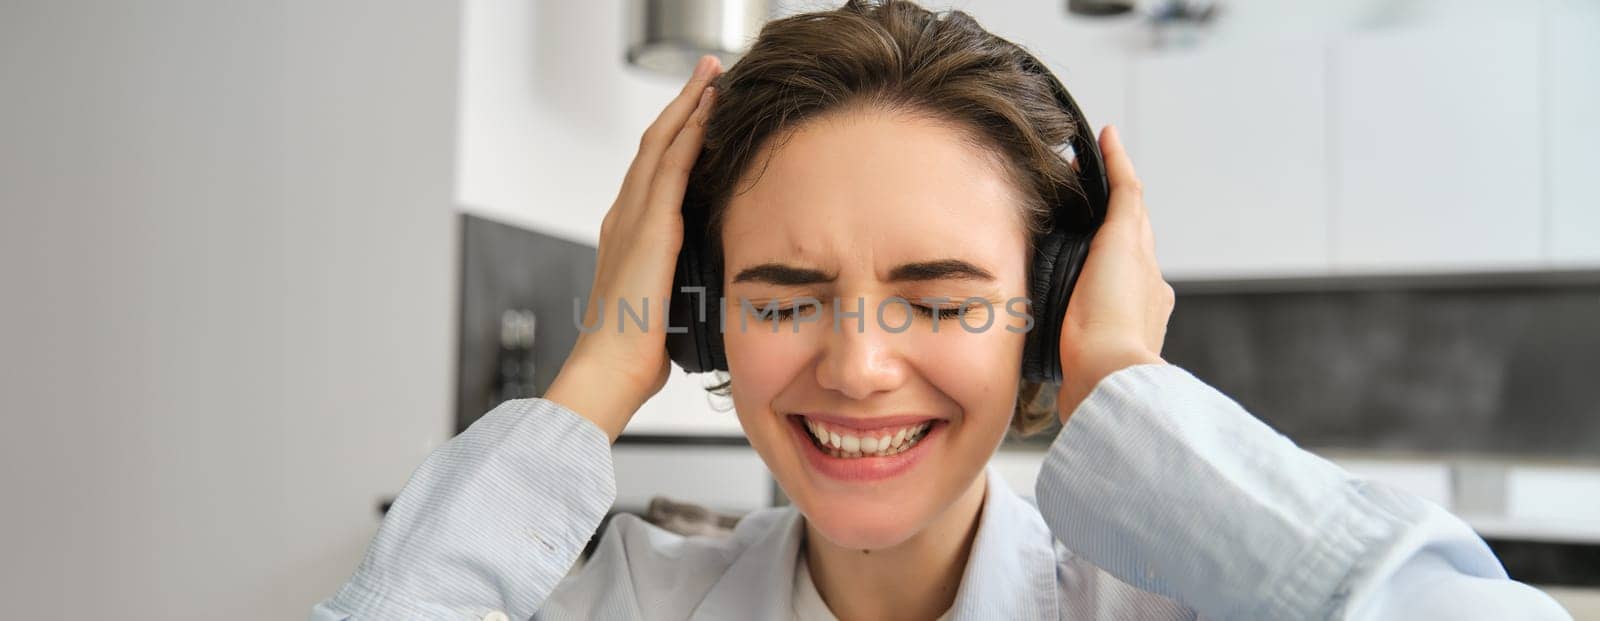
(496, 616)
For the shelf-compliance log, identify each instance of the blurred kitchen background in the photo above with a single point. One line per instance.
(257, 259)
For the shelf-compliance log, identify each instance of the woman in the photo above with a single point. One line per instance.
(858, 155)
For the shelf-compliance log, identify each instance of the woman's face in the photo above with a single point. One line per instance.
(853, 210)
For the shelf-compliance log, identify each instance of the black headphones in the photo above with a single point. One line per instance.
(694, 335)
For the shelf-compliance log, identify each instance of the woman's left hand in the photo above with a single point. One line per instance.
(1117, 315)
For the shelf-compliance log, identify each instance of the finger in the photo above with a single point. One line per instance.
(672, 176)
(1148, 234)
(661, 133)
(1127, 192)
(1127, 207)
(1161, 316)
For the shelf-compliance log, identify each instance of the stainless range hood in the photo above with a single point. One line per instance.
(668, 36)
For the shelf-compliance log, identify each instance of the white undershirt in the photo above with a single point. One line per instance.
(808, 604)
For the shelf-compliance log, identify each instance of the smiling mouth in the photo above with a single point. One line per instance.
(845, 443)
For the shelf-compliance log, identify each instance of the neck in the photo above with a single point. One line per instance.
(916, 579)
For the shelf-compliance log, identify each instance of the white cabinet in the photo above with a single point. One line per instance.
(1427, 137)
(1438, 160)
(1572, 130)
(1088, 55)
(1230, 146)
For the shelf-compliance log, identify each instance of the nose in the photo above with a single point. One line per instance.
(860, 363)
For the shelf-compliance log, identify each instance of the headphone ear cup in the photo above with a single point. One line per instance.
(1047, 250)
(687, 348)
(1058, 262)
(711, 329)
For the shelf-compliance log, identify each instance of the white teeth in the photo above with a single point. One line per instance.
(849, 445)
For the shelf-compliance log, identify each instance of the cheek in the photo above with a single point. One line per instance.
(763, 362)
(979, 371)
(762, 365)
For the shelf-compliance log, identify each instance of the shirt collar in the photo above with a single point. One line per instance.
(1010, 573)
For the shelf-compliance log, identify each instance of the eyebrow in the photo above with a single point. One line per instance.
(788, 275)
(780, 274)
(943, 269)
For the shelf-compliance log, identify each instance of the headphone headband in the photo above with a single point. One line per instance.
(1085, 147)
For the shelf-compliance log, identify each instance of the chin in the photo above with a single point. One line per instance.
(872, 526)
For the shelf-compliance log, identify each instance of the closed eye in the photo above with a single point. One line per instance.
(780, 314)
(788, 313)
(944, 312)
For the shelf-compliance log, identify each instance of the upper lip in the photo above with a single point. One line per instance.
(867, 423)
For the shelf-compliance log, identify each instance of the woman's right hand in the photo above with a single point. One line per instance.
(1117, 316)
(610, 373)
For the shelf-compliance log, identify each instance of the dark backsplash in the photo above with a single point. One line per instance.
(1498, 365)
(504, 267)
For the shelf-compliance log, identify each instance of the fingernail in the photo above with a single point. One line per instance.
(705, 96)
(701, 67)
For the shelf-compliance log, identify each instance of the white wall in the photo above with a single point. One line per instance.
(226, 258)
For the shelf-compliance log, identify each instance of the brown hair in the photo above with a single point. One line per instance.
(891, 55)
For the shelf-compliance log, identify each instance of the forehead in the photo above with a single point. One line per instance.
(875, 185)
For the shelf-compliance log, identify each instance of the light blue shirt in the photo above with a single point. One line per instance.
(1161, 498)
